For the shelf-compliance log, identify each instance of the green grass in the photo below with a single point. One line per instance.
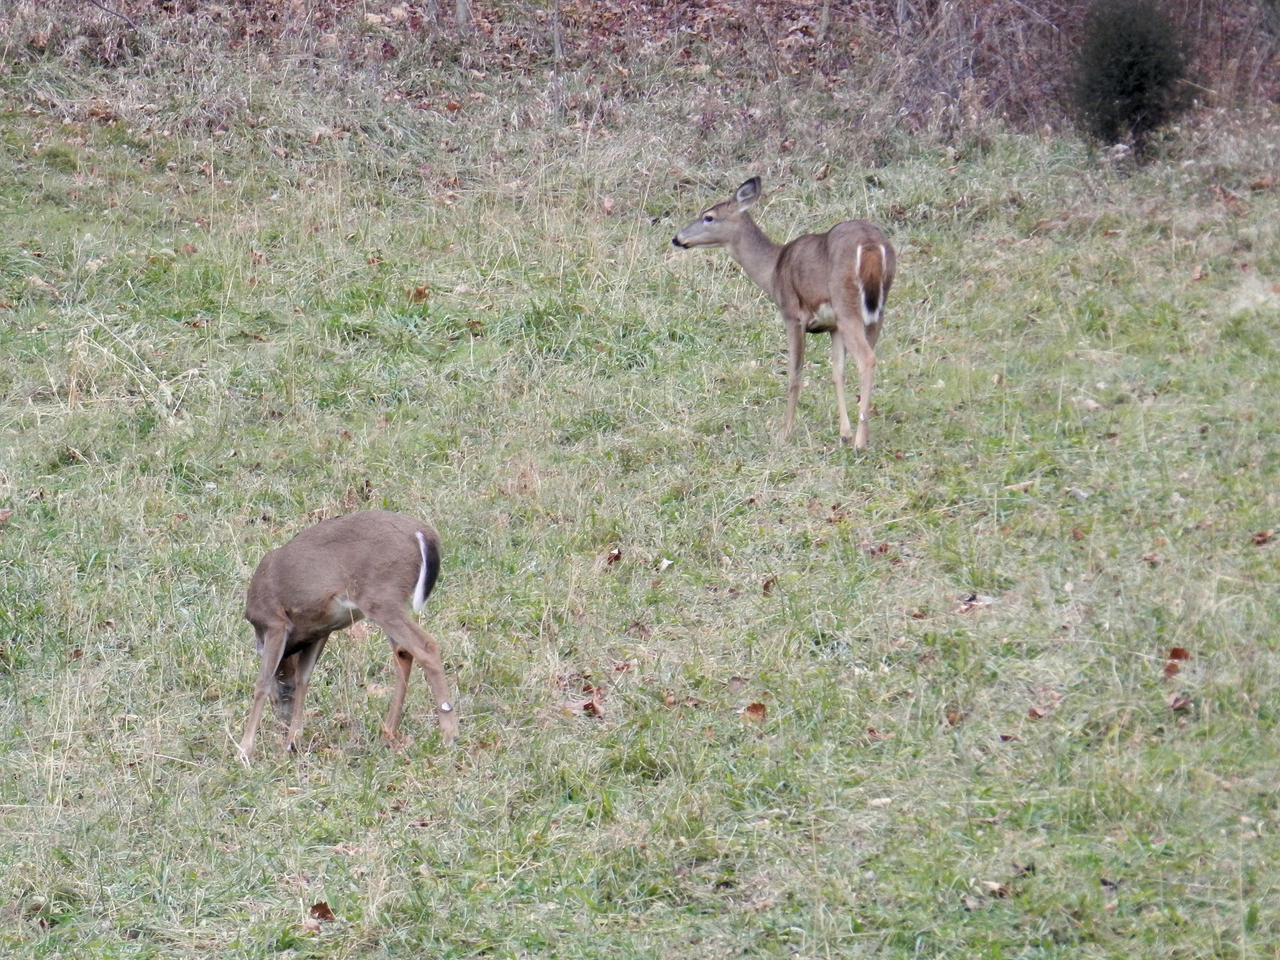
(959, 637)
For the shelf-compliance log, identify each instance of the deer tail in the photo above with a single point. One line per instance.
(427, 574)
(870, 269)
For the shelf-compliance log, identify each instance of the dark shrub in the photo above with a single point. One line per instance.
(1129, 70)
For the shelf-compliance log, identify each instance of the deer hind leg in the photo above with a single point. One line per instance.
(859, 339)
(795, 360)
(403, 660)
(306, 663)
(837, 375)
(411, 643)
(271, 641)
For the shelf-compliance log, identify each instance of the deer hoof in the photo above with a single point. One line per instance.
(448, 727)
(395, 739)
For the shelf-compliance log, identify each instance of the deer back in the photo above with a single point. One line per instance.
(322, 579)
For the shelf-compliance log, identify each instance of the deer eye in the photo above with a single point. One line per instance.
(708, 218)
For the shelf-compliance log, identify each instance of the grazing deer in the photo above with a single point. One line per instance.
(369, 564)
(834, 282)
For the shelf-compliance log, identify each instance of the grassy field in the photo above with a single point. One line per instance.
(1006, 685)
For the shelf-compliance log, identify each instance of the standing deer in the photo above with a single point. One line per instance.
(834, 282)
(370, 564)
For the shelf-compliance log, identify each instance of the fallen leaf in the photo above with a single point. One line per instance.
(613, 556)
(44, 286)
(875, 734)
(187, 249)
(321, 911)
(1153, 559)
(1019, 487)
(737, 684)
(767, 586)
(974, 601)
(1263, 537)
(418, 294)
(996, 889)
(1230, 200)
(592, 705)
(5, 515)
(1179, 701)
(1037, 713)
(755, 712)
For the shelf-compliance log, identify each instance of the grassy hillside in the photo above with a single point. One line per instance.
(1004, 685)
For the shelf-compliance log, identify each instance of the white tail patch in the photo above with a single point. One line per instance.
(871, 317)
(420, 591)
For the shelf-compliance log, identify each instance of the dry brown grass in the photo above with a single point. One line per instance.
(946, 68)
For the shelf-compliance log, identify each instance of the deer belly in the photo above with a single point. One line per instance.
(342, 613)
(822, 320)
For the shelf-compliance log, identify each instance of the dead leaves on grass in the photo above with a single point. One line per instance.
(1172, 663)
(1179, 701)
(590, 705)
(974, 601)
(587, 698)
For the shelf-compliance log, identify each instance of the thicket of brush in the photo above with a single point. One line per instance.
(923, 66)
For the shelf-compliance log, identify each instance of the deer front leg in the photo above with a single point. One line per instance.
(271, 641)
(795, 360)
(307, 658)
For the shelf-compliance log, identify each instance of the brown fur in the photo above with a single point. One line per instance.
(805, 277)
(367, 564)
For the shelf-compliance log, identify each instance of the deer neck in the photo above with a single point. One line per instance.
(756, 253)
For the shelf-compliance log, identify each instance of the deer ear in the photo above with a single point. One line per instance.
(748, 193)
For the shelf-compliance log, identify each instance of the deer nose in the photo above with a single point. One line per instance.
(675, 242)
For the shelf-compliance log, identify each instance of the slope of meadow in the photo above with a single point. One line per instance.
(1004, 685)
